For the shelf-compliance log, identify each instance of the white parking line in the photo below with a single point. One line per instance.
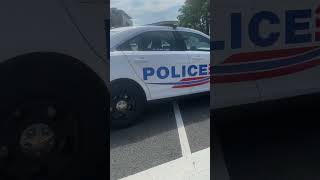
(185, 147)
(195, 166)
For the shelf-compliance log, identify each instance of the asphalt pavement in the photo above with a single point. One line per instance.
(271, 141)
(155, 140)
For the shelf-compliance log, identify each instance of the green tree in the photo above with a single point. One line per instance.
(195, 14)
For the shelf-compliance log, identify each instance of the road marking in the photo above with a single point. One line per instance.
(191, 166)
(197, 167)
(185, 147)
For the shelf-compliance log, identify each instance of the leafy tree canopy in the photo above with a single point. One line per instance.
(195, 14)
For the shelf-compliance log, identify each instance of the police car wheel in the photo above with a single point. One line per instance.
(42, 134)
(127, 103)
(45, 140)
(69, 121)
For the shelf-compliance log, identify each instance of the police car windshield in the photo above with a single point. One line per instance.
(115, 37)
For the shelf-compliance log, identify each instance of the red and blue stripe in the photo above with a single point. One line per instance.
(256, 65)
(187, 82)
(265, 64)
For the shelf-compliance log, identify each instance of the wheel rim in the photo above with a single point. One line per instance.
(123, 106)
(37, 140)
(45, 138)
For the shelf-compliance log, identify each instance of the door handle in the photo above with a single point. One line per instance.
(141, 60)
(197, 58)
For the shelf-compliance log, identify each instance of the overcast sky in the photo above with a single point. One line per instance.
(149, 11)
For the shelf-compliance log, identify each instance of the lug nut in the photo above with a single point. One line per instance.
(38, 154)
(51, 112)
(3, 152)
(17, 113)
(31, 133)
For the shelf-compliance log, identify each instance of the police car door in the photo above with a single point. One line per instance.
(294, 54)
(233, 71)
(160, 63)
(198, 49)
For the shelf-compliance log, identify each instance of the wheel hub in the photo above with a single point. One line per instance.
(122, 105)
(37, 140)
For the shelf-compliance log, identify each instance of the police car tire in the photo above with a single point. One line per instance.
(87, 160)
(134, 92)
(89, 106)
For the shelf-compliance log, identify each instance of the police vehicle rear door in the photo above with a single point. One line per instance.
(294, 64)
(160, 62)
(198, 49)
(233, 70)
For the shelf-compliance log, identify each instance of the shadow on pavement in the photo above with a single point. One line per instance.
(276, 141)
(159, 118)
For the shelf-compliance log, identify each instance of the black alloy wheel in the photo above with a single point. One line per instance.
(42, 138)
(127, 103)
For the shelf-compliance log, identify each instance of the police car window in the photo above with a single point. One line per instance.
(195, 42)
(151, 41)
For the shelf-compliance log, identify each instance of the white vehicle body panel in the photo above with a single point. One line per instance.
(154, 59)
(199, 58)
(126, 71)
(282, 63)
(135, 64)
(44, 26)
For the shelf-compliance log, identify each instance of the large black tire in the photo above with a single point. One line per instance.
(130, 93)
(28, 88)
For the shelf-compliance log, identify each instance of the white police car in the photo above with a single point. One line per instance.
(269, 53)
(155, 62)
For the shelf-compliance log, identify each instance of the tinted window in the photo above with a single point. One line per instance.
(195, 42)
(151, 41)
